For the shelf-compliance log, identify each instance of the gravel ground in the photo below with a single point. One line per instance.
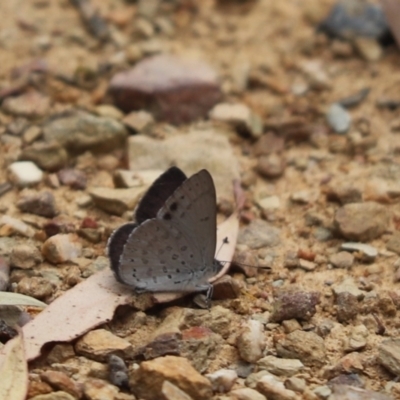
(94, 109)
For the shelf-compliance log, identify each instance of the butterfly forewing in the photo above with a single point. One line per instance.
(158, 257)
(192, 210)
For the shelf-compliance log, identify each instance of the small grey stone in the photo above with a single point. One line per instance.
(280, 366)
(389, 355)
(343, 259)
(48, 156)
(338, 118)
(42, 203)
(259, 234)
(82, 131)
(362, 221)
(308, 347)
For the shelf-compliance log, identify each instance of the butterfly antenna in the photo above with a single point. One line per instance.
(224, 241)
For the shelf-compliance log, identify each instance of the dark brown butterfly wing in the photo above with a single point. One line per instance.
(159, 192)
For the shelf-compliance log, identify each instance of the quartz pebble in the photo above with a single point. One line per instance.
(250, 341)
(338, 118)
(25, 173)
(222, 380)
(61, 248)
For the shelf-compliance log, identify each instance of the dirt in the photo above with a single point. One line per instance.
(275, 42)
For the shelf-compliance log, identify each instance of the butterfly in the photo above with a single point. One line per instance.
(171, 246)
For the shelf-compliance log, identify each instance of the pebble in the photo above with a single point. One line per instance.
(222, 380)
(338, 118)
(239, 116)
(172, 392)
(296, 384)
(369, 253)
(25, 256)
(294, 305)
(98, 389)
(269, 203)
(307, 347)
(345, 392)
(226, 287)
(15, 225)
(38, 203)
(147, 380)
(48, 156)
(389, 355)
(362, 221)
(128, 179)
(369, 49)
(61, 248)
(259, 234)
(271, 166)
(82, 131)
(269, 386)
(346, 21)
(344, 193)
(357, 339)
(116, 201)
(322, 391)
(269, 143)
(307, 265)
(99, 344)
(393, 244)
(39, 288)
(118, 371)
(175, 90)
(343, 259)
(59, 395)
(347, 307)
(4, 275)
(348, 285)
(109, 111)
(61, 381)
(186, 151)
(280, 366)
(73, 178)
(246, 394)
(250, 342)
(31, 104)
(139, 121)
(25, 173)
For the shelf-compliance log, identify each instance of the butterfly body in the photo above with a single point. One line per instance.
(173, 246)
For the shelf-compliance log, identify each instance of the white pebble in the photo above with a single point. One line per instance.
(25, 173)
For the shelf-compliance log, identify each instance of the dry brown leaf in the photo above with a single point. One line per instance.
(80, 309)
(93, 302)
(13, 370)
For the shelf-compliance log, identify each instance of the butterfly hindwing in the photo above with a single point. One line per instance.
(158, 257)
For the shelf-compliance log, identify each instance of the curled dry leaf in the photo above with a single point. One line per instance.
(93, 302)
(13, 370)
(17, 299)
